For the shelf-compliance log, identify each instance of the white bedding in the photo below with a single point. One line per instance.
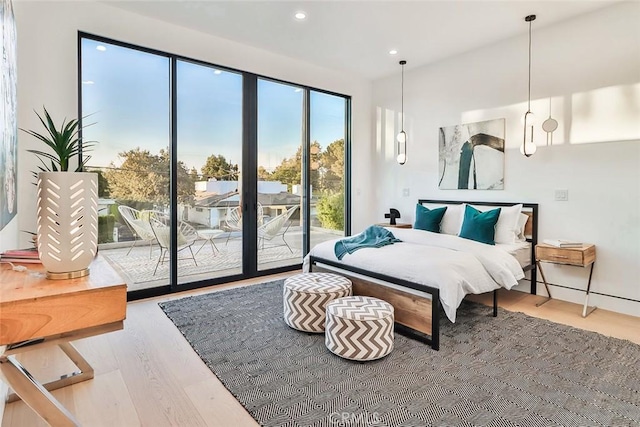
(521, 251)
(454, 265)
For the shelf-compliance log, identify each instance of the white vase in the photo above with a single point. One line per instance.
(67, 222)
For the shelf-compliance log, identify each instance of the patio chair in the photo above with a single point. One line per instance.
(233, 219)
(275, 227)
(138, 223)
(187, 236)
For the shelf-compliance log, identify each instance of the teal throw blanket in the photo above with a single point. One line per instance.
(372, 237)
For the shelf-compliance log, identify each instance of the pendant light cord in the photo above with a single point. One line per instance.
(402, 94)
(529, 99)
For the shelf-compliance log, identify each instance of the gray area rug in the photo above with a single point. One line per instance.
(513, 370)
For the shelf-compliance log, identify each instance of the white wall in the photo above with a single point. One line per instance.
(47, 75)
(9, 234)
(590, 65)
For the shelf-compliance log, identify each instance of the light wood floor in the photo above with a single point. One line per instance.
(148, 375)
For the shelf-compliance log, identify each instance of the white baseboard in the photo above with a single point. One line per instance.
(606, 302)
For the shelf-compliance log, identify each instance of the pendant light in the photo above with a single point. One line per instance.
(528, 147)
(402, 136)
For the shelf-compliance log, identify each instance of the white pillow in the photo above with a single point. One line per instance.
(522, 222)
(452, 219)
(507, 225)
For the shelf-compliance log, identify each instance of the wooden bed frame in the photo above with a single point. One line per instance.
(418, 316)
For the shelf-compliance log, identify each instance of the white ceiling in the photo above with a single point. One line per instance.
(356, 36)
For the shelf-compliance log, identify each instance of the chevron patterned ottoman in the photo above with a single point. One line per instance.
(359, 328)
(306, 296)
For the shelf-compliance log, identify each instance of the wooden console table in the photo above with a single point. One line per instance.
(37, 312)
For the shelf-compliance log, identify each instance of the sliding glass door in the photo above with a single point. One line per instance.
(281, 136)
(328, 130)
(209, 153)
(126, 109)
(208, 174)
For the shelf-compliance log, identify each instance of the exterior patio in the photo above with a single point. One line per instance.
(137, 267)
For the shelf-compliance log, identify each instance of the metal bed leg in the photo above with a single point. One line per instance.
(435, 321)
(495, 303)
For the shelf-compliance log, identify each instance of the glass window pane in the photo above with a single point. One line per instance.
(280, 136)
(209, 113)
(327, 166)
(126, 109)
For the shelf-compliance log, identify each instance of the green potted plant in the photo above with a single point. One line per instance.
(65, 143)
(67, 211)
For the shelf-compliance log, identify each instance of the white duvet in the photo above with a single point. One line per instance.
(454, 265)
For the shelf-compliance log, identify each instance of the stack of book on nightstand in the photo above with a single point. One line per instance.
(560, 243)
(21, 255)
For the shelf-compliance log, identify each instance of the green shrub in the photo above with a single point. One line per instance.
(105, 228)
(331, 210)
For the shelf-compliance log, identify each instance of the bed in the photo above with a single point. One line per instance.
(429, 273)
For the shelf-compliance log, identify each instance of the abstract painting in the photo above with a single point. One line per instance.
(472, 156)
(8, 88)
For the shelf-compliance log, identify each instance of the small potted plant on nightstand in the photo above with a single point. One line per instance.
(67, 210)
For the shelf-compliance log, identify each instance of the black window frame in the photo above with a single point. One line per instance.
(249, 159)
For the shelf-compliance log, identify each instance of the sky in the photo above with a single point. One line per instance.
(126, 94)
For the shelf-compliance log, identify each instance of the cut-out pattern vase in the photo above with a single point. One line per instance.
(67, 222)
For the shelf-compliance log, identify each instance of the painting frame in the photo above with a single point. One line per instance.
(471, 156)
(8, 111)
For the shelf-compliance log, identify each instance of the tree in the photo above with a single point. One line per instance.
(332, 164)
(103, 184)
(144, 177)
(193, 173)
(263, 174)
(217, 167)
(290, 170)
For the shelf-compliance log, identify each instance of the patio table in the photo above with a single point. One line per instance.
(208, 236)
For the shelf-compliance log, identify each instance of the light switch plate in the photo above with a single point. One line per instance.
(562, 195)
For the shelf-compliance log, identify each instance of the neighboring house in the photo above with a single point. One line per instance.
(213, 199)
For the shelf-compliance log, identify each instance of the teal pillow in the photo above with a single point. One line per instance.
(479, 226)
(428, 219)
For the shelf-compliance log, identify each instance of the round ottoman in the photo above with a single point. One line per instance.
(359, 328)
(306, 296)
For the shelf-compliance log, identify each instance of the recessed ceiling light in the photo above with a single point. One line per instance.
(300, 16)
(101, 48)
(393, 52)
(217, 72)
(87, 82)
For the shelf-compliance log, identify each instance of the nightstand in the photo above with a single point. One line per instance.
(583, 256)
(396, 225)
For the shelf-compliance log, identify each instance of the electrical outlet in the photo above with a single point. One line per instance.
(562, 195)
(358, 191)
(405, 192)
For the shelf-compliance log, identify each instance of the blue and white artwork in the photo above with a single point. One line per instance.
(472, 156)
(9, 142)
